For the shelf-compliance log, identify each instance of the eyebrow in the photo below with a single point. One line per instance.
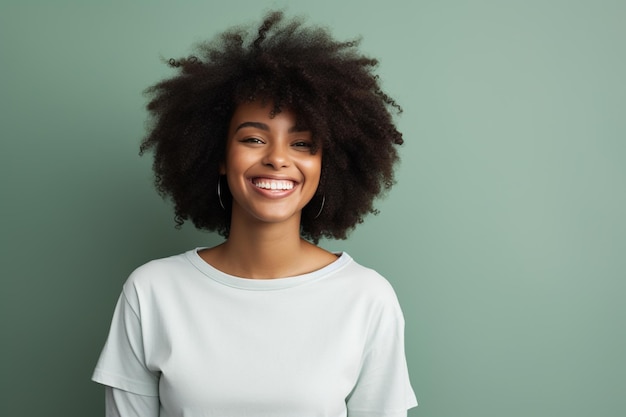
(266, 128)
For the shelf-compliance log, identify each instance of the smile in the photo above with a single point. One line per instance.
(270, 184)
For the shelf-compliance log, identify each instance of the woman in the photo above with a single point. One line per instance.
(273, 140)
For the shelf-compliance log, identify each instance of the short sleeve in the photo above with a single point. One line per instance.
(383, 388)
(120, 403)
(122, 363)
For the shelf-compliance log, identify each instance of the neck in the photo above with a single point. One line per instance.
(264, 250)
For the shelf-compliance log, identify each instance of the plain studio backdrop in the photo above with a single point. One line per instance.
(505, 236)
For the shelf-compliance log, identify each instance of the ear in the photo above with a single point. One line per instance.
(222, 168)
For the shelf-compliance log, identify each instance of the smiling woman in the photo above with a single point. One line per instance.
(292, 131)
(269, 163)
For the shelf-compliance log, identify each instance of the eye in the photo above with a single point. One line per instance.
(302, 144)
(253, 140)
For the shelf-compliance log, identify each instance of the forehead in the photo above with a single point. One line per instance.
(257, 108)
(259, 111)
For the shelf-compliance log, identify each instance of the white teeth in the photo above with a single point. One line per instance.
(273, 184)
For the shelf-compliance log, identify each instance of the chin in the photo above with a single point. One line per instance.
(275, 216)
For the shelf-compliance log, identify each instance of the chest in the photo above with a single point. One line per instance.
(234, 355)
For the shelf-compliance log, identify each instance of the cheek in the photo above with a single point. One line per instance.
(314, 169)
(235, 162)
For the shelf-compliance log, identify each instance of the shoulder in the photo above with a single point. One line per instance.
(367, 283)
(362, 275)
(372, 297)
(157, 273)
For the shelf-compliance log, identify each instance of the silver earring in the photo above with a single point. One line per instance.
(321, 207)
(219, 192)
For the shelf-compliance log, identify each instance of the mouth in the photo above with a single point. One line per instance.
(273, 184)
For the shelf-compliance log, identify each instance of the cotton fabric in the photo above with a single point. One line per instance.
(204, 343)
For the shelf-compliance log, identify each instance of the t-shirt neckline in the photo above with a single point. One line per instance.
(264, 284)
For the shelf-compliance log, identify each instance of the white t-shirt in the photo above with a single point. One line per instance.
(329, 343)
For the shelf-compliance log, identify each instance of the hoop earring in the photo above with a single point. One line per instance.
(321, 207)
(219, 192)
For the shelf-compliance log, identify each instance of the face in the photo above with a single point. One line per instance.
(270, 169)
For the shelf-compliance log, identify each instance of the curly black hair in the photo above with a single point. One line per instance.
(329, 85)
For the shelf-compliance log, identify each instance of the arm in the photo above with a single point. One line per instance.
(383, 388)
(131, 387)
(119, 403)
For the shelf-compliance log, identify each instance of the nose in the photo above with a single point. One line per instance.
(277, 156)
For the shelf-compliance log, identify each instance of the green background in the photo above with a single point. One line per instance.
(505, 237)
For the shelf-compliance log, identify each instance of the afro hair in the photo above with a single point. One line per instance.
(331, 87)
